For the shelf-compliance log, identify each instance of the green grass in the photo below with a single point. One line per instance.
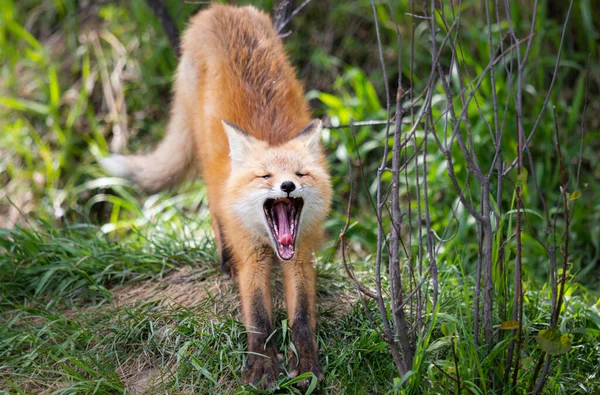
(80, 332)
(83, 277)
(76, 334)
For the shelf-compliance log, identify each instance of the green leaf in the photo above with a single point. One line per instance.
(54, 88)
(439, 344)
(331, 100)
(20, 32)
(284, 328)
(509, 325)
(522, 178)
(448, 328)
(313, 384)
(196, 363)
(575, 195)
(527, 363)
(553, 342)
(24, 105)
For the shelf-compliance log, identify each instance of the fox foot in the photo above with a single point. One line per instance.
(262, 370)
(305, 362)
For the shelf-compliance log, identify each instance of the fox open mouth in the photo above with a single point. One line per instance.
(283, 218)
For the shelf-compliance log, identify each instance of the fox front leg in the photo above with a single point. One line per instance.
(300, 287)
(254, 279)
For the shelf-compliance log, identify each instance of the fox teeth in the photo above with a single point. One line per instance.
(274, 222)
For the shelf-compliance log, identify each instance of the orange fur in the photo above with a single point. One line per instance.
(233, 68)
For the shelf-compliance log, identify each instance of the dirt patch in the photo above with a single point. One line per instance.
(189, 288)
(13, 211)
(182, 287)
(140, 379)
(144, 381)
(186, 287)
(335, 305)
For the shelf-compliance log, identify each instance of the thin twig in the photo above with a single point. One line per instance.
(450, 377)
(550, 89)
(582, 126)
(565, 194)
(342, 241)
(342, 245)
(285, 20)
(453, 346)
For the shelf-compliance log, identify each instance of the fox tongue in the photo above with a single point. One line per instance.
(285, 239)
(283, 223)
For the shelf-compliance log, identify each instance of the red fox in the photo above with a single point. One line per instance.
(240, 119)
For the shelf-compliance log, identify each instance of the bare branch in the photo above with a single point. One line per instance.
(342, 241)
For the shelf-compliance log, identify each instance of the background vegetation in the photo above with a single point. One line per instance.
(104, 289)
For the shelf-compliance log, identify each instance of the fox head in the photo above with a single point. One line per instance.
(278, 193)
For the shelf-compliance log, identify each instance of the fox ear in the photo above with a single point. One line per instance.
(310, 136)
(240, 142)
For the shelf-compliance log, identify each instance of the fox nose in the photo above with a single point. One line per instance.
(287, 186)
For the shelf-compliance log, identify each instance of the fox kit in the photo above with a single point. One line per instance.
(240, 119)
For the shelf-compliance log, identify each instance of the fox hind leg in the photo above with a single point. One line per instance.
(226, 266)
(222, 247)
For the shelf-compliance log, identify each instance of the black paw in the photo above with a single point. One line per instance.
(262, 371)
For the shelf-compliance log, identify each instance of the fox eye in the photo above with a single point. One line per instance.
(298, 174)
(266, 176)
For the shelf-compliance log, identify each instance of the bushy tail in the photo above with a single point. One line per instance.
(166, 166)
(173, 159)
